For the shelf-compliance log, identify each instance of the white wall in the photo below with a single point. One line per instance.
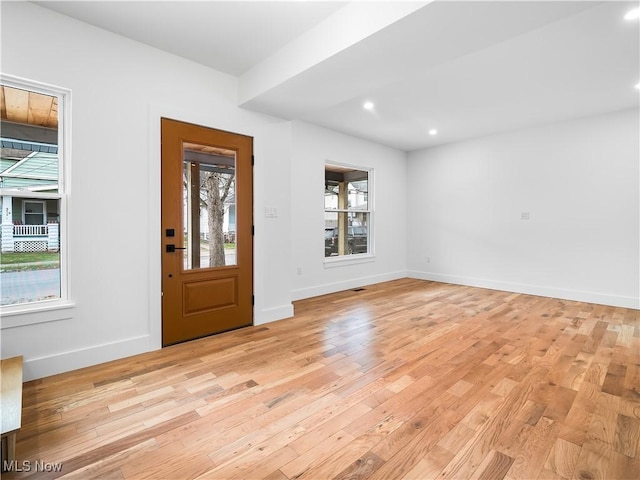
(578, 180)
(119, 90)
(313, 147)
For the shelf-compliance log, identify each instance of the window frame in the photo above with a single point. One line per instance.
(59, 308)
(43, 213)
(369, 256)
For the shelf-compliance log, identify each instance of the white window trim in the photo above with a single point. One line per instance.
(58, 309)
(346, 260)
(354, 259)
(25, 213)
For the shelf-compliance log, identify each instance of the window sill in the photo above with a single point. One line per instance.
(41, 312)
(346, 260)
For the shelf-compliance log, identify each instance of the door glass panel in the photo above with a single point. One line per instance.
(209, 206)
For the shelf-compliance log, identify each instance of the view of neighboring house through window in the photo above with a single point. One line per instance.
(347, 211)
(31, 196)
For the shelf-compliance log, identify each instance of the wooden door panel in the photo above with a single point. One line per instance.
(197, 295)
(206, 289)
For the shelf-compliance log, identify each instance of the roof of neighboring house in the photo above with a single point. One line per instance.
(35, 172)
(29, 145)
(7, 162)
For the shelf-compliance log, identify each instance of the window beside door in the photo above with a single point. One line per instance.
(32, 196)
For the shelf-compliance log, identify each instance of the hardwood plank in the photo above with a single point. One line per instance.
(334, 422)
(623, 467)
(627, 438)
(410, 449)
(562, 458)
(578, 419)
(109, 466)
(431, 465)
(405, 379)
(604, 420)
(530, 459)
(276, 475)
(457, 437)
(363, 467)
(314, 457)
(494, 467)
(548, 475)
(334, 465)
(594, 462)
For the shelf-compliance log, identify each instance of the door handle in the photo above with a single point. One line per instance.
(172, 248)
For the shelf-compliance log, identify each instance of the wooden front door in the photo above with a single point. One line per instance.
(207, 239)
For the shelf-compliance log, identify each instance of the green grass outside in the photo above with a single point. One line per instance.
(17, 261)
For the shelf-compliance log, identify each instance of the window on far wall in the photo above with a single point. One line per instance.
(347, 210)
(32, 194)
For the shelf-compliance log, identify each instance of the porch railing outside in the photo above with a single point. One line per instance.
(30, 238)
(30, 230)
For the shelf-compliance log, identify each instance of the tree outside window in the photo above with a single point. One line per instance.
(209, 206)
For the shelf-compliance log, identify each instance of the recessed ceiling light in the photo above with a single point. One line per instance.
(368, 105)
(633, 14)
(638, 86)
(433, 131)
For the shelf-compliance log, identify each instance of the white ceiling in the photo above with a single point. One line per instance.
(466, 69)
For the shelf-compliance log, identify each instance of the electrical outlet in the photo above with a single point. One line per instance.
(428, 259)
(524, 216)
(299, 270)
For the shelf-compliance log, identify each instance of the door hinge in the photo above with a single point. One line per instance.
(253, 299)
(253, 160)
(253, 229)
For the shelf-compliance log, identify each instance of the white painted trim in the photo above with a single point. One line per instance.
(543, 291)
(302, 293)
(154, 279)
(10, 192)
(346, 260)
(272, 314)
(74, 359)
(36, 312)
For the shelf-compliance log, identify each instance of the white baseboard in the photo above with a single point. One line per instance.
(85, 357)
(272, 314)
(566, 294)
(301, 293)
(72, 360)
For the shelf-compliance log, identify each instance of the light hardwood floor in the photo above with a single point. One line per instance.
(402, 380)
